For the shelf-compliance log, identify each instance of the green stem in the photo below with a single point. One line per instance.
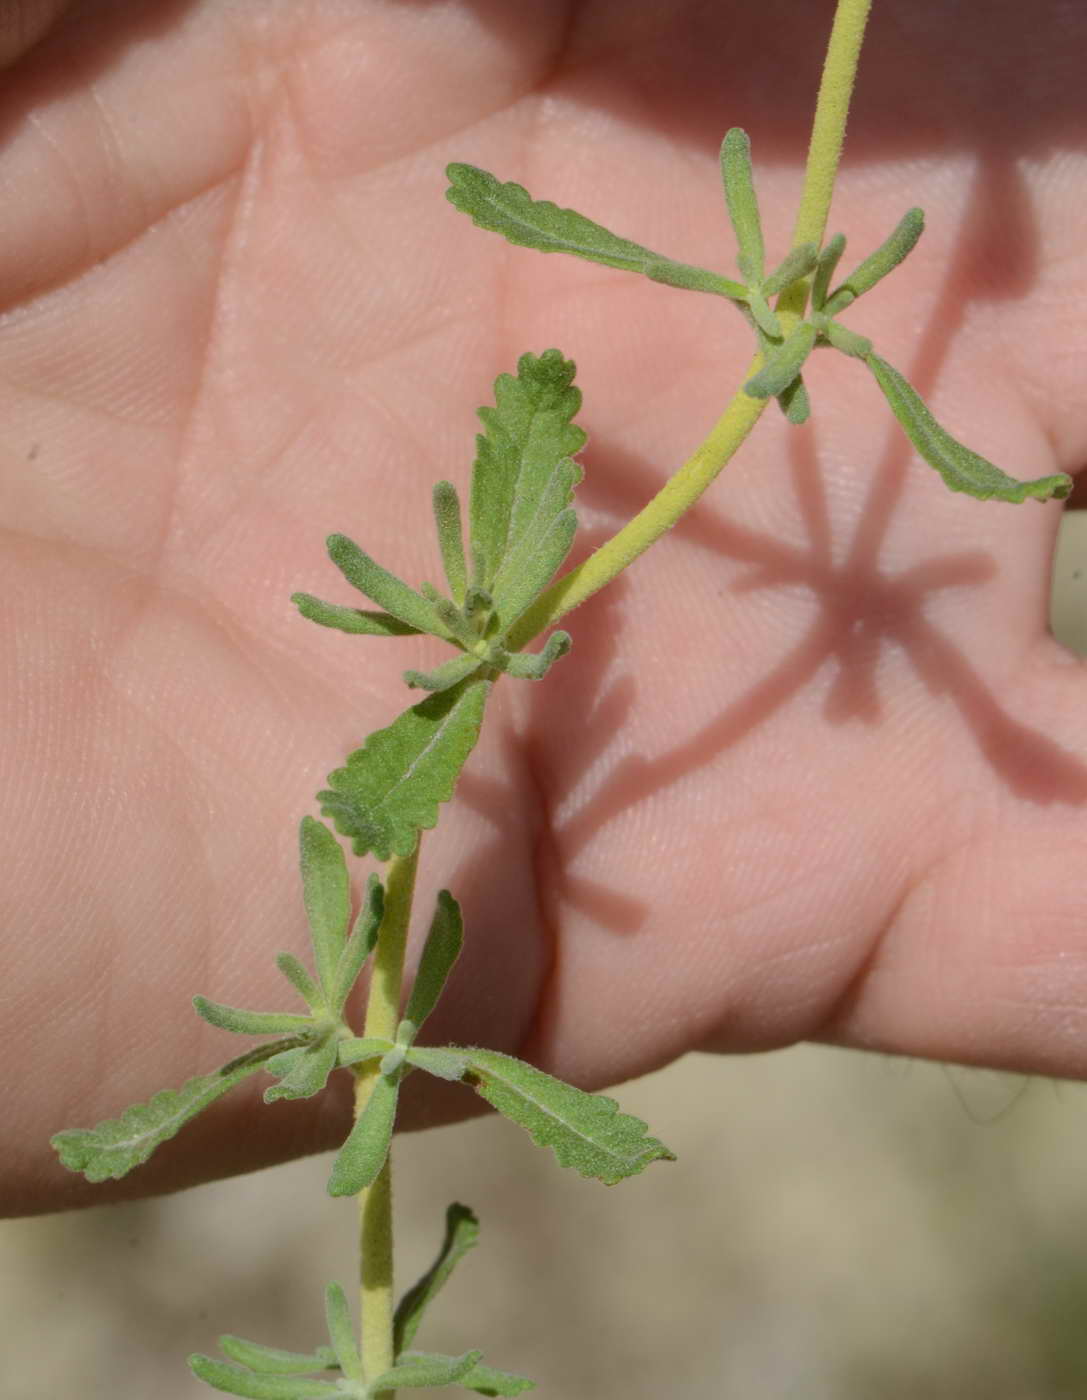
(375, 1202)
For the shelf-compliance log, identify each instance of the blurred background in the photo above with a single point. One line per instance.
(837, 1227)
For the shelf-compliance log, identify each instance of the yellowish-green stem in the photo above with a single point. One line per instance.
(375, 1203)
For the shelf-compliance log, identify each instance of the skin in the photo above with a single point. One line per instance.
(814, 768)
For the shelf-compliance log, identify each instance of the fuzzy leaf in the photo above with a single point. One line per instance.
(961, 469)
(440, 952)
(847, 341)
(360, 944)
(341, 1333)
(695, 279)
(797, 263)
(444, 677)
(488, 1380)
(386, 590)
(422, 1370)
(444, 1063)
(783, 366)
(794, 402)
(764, 317)
(231, 1018)
(523, 480)
(824, 270)
(533, 666)
(743, 204)
(358, 620)
(221, 1375)
(304, 1071)
(392, 787)
(326, 893)
(461, 1235)
(877, 265)
(450, 539)
(300, 980)
(275, 1361)
(356, 1049)
(585, 1131)
(363, 1155)
(510, 210)
(112, 1148)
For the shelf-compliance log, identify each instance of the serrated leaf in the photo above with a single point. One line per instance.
(510, 210)
(305, 1073)
(824, 270)
(440, 952)
(461, 1235)
(743, 204)
(877, 265)
(797, 263)
(356, 1049)
(422, 1370)
(392, 787)
(113, 1147)
(783, 366)
(384, 588)
(961, 469)
(523, 480)
(442, 1062)
(221, 1375)
(300, 980)
(444, 677)
(450, 539)
(326, 894)
(357, 620)
(359, 945)
(585, 1131)
(533, 666)
(276, 1361)
(233, 1018)
(341, 1332)
(695, 279)
(362, 1156)
(489, 1380)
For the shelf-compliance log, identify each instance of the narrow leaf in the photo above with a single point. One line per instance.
(326, 893)
(743, 204)
(764, 317)
(386, 590)
(585, 1131)
(847, 341)
(305, 1073)
(274, 1360)
(114, 1147)
(443, 677)
(440, 952)
(533, 666)
(797, 263)
(341, 1332)
(450, 539)
(443, 1063)
(356, 1049)
(422, 1370)
(510, 210)
(372, 624)
(231, 1018)
(521, 478)
(489, 1380)
(360, 944)
(794, 402)
(695, 279)
(784, 365)
(535, 556)
(461, 1235)
(961, 469)
(877, 265)
(300, 980)
(824, 270)
(221, 1375)
(363, 1155)
(392, 787)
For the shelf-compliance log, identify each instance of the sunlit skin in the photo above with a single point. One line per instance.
(814, 768)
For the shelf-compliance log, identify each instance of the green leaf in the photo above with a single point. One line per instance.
(341, 1332)
(443, 677)
(784, 365)
(824, 270)
(363, 1155)
(533, 666)
(444, 1063)
(585, 1131)
(275, 1361)
(743, 204)
(356, 1049)
(694, 279)
(221, 1375)
(440, 952)
(301, 981)
(877, 265)
(372, 624)
(386, 590)
(461, 1235)
(231, 1018)
(510, 210)
(797, 263)
(794, 402)
(488, 1380)
(326, 893)
(304, 1071)
(847, 341)
(764, 317)
(451, 539)
(523, 480)
(421, 1370)
(360, 944)
(112, 1148)
(961, 469)
(392, 787)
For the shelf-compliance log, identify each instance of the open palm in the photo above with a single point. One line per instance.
(813, 768)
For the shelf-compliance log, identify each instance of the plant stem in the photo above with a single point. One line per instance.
(375, 1202)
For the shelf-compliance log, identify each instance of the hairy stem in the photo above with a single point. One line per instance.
(375, 1202)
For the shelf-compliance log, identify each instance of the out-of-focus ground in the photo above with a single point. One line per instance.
(837, 1227)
